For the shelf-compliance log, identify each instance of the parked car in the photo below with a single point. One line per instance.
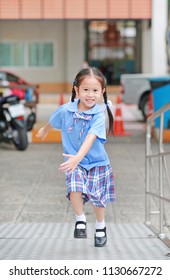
(22, 88)
(136, 89)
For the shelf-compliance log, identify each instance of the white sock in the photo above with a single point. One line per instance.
(81, 218)
(100, 225)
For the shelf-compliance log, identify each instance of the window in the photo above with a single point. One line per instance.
(40, 54)
(12, 78)
(32, 54)
(11, 53)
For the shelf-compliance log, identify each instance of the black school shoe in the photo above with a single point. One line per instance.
(100, 241)
(80, 232)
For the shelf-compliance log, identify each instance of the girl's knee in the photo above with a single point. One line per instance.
(75, 195)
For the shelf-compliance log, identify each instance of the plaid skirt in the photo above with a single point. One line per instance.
(96, 184)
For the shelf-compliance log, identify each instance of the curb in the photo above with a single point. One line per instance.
(54, 135)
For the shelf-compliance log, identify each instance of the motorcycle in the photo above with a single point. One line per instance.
(13, 127)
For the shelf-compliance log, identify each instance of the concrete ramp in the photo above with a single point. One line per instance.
(54, 241)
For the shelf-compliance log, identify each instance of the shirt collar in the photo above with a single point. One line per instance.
(73, 107)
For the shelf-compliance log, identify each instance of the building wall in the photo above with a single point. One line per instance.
(68, 37)
(75, 47)
(146, 48)
(154, 55)
(158, 36)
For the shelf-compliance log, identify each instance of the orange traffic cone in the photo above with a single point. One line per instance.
(61, 98)
(118, 121)
(150, 105)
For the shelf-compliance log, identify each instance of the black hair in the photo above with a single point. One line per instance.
(92, 71)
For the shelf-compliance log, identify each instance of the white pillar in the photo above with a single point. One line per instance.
(158, 42)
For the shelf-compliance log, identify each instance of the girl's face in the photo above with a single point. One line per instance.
(89, 93)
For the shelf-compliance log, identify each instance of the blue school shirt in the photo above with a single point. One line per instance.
(75, 126)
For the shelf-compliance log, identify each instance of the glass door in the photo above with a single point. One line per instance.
(111, 46)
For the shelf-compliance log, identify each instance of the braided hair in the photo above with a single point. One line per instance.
(92, 71)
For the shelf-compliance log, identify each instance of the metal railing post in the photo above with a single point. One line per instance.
(147, 171)
(161, 150)
(161, 156)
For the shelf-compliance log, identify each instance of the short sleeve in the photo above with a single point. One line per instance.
(56, 118)
(98, 127)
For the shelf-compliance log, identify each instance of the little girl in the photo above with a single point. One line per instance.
(87, 168)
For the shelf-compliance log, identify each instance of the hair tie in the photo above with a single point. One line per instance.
(109, 102)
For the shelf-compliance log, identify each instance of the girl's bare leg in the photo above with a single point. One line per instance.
(100, 235)
(77, 204)
(100, 213)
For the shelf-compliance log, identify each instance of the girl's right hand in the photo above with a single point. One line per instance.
(42, 133)
(69, 165)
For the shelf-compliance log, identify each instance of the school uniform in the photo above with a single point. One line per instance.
(93, 176)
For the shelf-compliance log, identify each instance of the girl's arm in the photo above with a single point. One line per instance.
(43, 131)
(73, 160)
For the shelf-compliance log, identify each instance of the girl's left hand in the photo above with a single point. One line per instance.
(70, 165)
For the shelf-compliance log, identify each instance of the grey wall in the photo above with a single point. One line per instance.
(68, 38)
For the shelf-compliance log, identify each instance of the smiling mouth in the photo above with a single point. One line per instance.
(91, 100)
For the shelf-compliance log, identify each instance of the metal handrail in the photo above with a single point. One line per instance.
(162, 166)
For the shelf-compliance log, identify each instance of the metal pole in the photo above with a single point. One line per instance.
(161, 203)
(147, 172)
